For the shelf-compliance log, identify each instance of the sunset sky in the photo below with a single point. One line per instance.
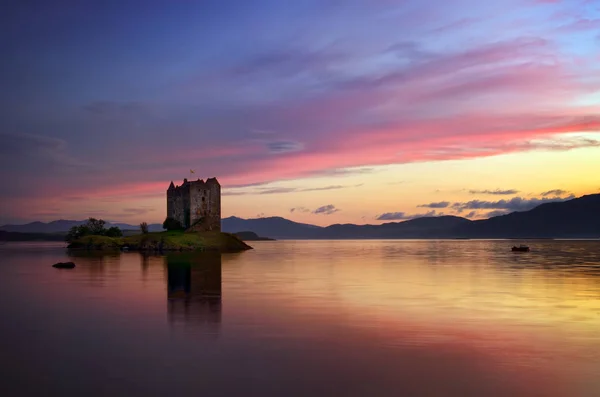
(320, 111)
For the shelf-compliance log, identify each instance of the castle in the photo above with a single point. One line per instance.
(196, 204)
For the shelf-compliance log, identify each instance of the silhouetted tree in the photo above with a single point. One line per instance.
(113, 232)
(96, 226)
(144, 227)
(92, 227)
(172, 224)
(77, 232)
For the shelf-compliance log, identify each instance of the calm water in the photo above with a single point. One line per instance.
(310, 318)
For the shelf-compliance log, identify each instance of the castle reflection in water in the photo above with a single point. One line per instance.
(194, 290)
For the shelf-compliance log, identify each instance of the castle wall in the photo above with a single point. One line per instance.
(177, 207)
(214, 208)
(177, 203)
(170, 203)
(185, 200)
(196, 204)
(205, 205)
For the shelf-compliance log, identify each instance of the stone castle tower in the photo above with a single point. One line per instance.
(196, 204)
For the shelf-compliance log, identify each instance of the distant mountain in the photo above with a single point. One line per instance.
(63, 226)
(576, 218)
(273, 227)
(281, 228)
(425, 227)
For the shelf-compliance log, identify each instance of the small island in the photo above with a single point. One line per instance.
(174, 240)
(193, 223)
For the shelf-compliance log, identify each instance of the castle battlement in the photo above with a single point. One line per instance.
(196, 204)
(199, 182)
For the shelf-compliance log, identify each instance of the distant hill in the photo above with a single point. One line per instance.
(576, 218)
(274, 227)
(425, 227)
(281, 228)
(63, 226)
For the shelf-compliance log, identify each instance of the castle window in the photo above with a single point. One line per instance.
(203, 199)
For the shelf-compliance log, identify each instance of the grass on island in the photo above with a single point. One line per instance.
(165, 241)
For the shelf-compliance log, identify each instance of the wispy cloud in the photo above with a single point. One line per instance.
(403, 216)
(138, 211)
(278, 147)
(295, 190)
(498, 192)
(328, 172)
(281, 190)
(441, 204)
(555, 193)
(299, 209)
(345, 171)
(326, 210)
(471, 214)
(323, 210)
(486, 149)
(514, 204)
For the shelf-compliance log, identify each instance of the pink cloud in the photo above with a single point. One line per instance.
(486, 100)
(432, 140)
(390, 148)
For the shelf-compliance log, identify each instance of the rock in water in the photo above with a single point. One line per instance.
(64, 265)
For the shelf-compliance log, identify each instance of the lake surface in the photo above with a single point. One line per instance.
(304, 318)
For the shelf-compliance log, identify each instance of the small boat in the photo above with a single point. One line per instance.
(521, 248)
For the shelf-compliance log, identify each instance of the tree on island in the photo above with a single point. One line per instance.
(96, 226)
(113, 232)
(172, 224)
(144, 227)
(92, 227)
